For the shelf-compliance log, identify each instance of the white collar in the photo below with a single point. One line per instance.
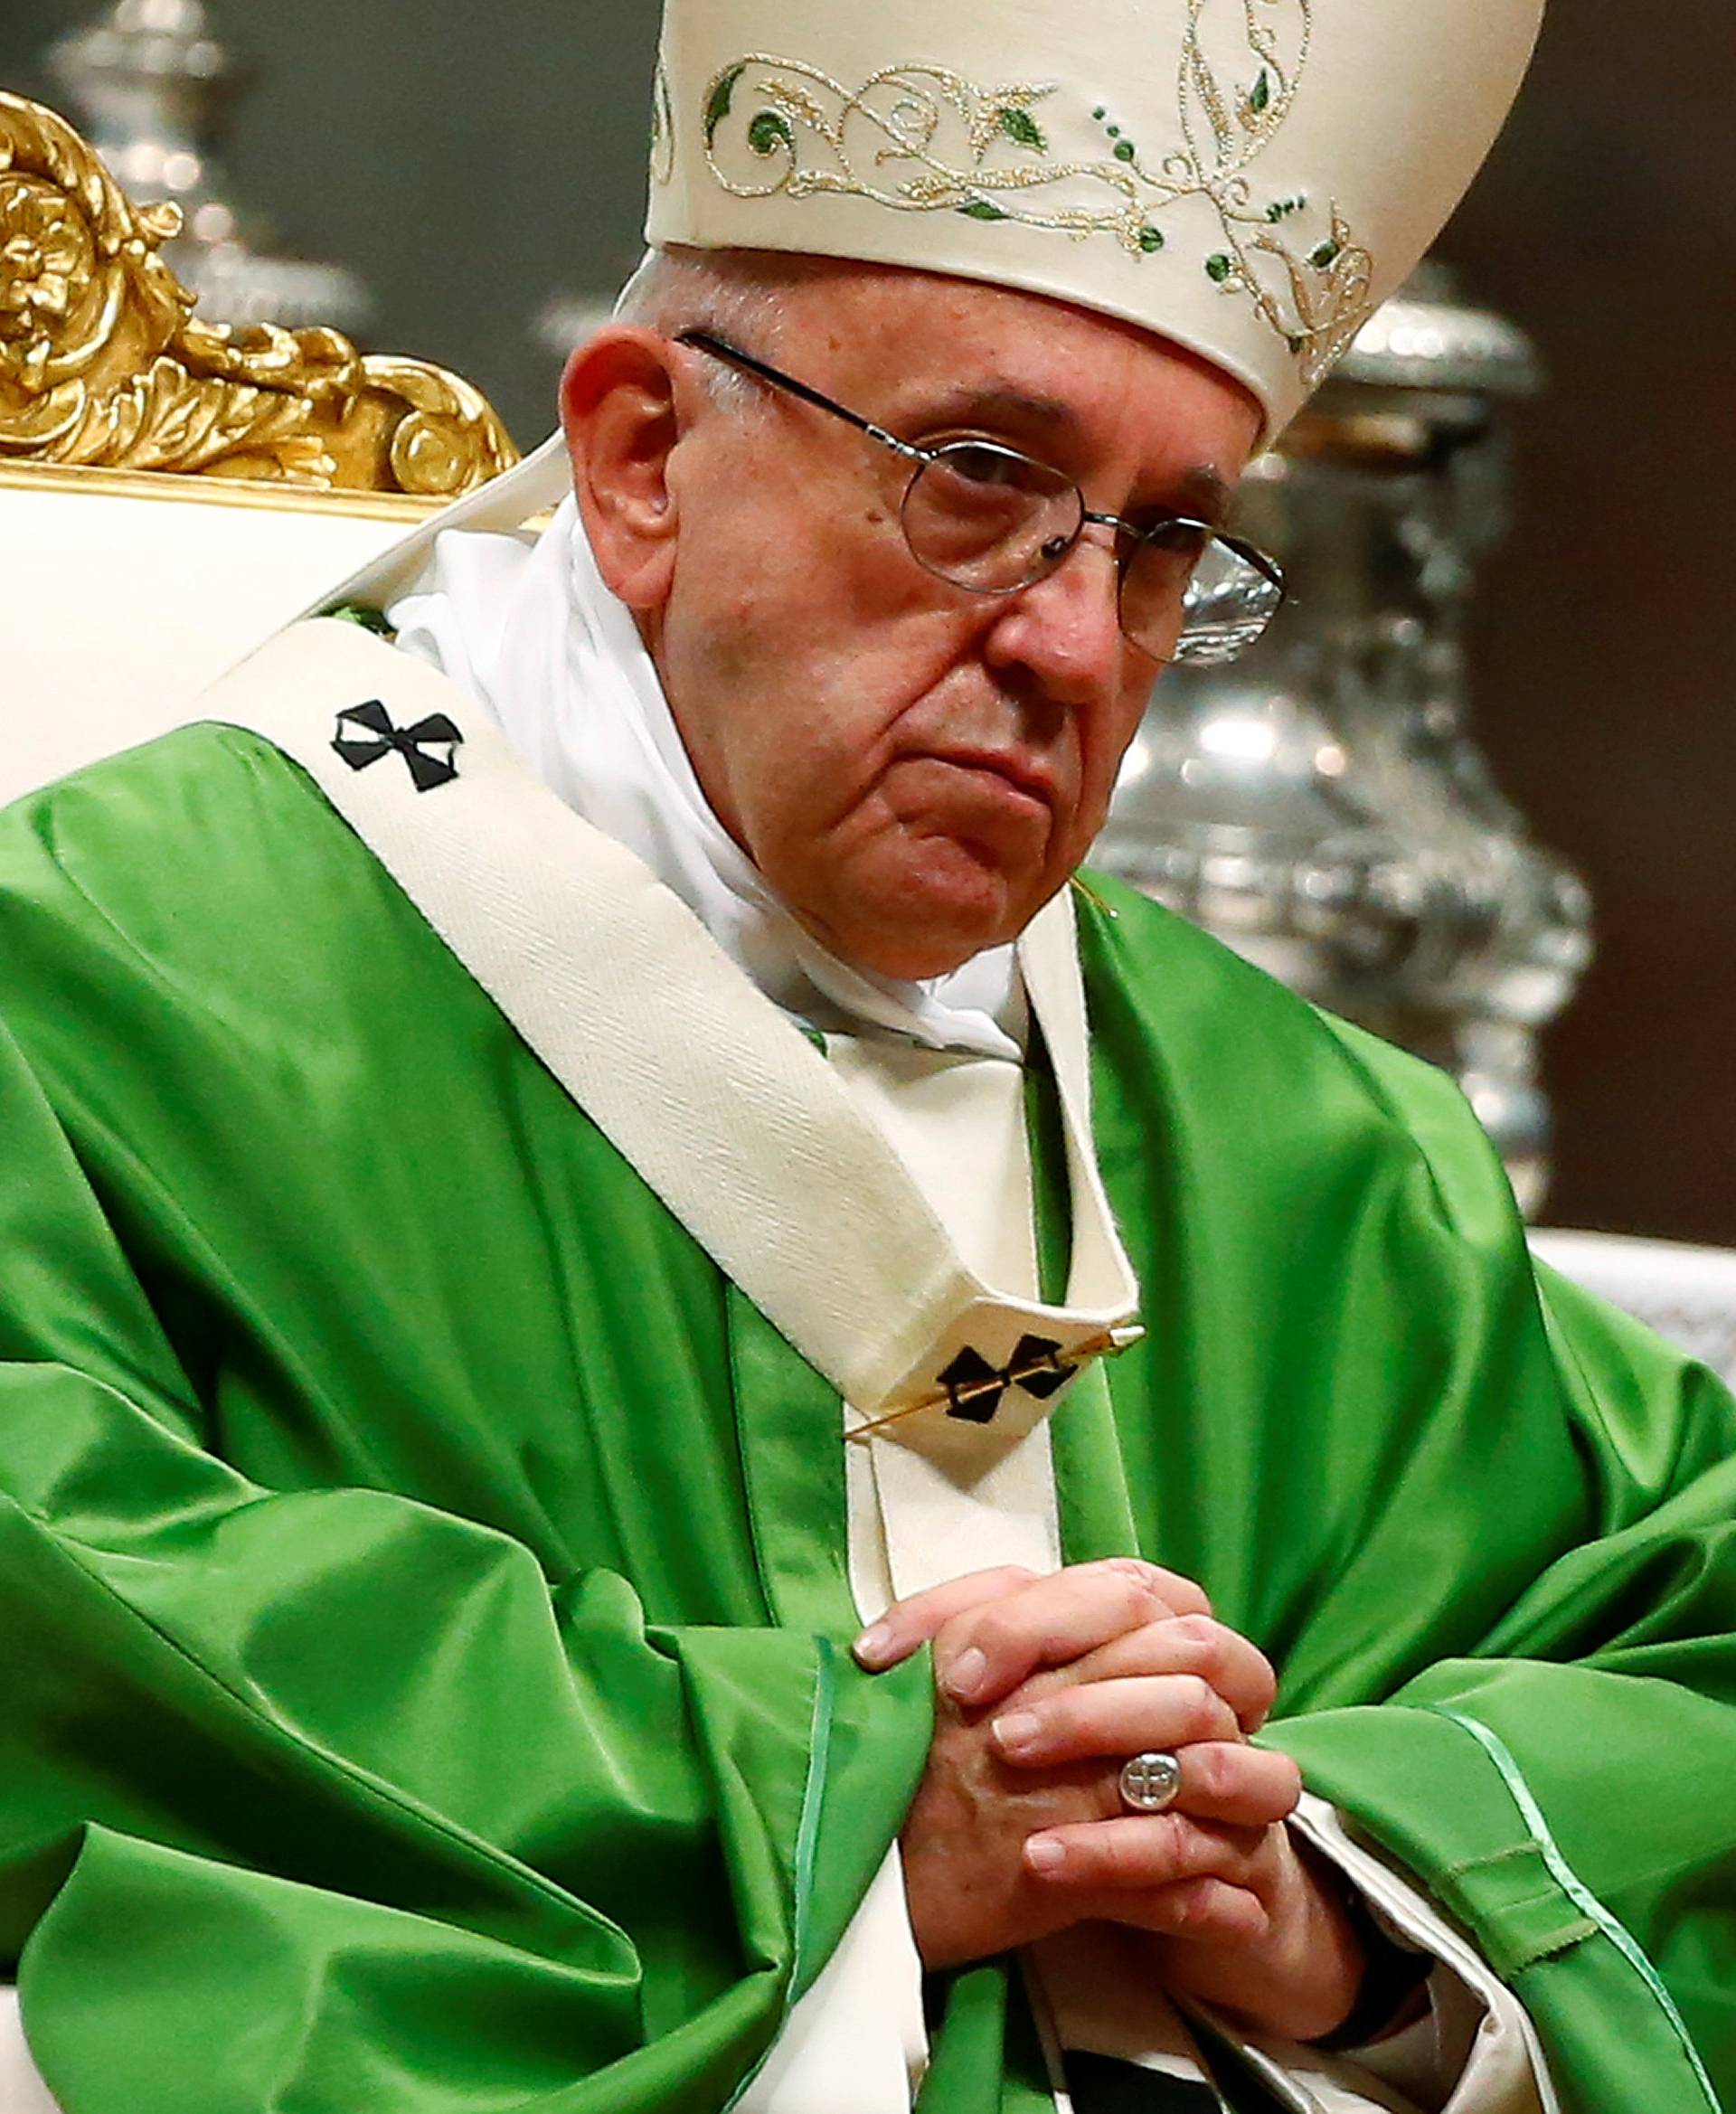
(532, 632)
(748, 1134)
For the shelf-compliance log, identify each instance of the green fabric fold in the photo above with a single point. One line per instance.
(423, 1576)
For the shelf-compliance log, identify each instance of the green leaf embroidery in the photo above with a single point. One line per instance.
(769, 132)
(723, 96)
(370, 619)
(785, 119)
(1021, 126)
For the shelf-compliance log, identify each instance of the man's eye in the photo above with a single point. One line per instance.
(987, 466)
(1174, 548)
(1184, 539)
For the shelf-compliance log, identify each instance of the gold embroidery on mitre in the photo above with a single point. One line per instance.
(663, 129)
(920, 139)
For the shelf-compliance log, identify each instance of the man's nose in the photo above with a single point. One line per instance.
(1066, 627)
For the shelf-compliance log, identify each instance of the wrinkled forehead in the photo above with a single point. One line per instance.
(923, 353)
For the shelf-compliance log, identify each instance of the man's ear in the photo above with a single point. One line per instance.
(622, 400)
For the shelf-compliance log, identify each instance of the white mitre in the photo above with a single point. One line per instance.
(1247, 177)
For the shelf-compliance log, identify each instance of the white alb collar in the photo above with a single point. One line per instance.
(532, 633)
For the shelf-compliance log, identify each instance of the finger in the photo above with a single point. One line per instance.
(1241, 1786)
(985, 1653)
(1194, 1908)
(1167, 1875)
(1189, 1643)
(1115, 1718)
(1222, 1778)
(908, 1625)
(1139, 1852)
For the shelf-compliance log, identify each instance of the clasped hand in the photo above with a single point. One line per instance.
(1044, 1686)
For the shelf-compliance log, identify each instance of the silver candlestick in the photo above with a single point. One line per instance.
(151, 85)
(1321, 805)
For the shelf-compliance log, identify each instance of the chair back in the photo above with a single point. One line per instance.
(1686, 1294)
(171, 492)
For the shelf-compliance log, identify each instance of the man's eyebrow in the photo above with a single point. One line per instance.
(991, 403)
(1208, 492)
(1200, 489)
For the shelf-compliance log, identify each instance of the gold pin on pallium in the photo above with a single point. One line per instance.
(1055, 1365)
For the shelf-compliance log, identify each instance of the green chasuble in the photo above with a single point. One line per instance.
(422, 1574)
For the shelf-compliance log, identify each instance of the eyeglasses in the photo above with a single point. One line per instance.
(995, 522)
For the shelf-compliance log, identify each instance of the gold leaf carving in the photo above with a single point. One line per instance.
(104, 365)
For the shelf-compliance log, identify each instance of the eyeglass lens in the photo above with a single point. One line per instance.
(990, 519)
(1193, 596)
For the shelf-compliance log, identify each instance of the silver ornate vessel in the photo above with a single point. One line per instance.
(151, 85)
(1321, 805)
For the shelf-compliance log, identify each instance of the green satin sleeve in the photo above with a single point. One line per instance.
(1483, 1525)
(1567, 1790)
(323, 1800)
(1564, 1783)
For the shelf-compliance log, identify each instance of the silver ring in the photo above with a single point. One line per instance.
(1150, 1783)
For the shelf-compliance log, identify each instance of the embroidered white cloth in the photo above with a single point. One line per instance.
(565, 675)
(530, 631)
(913, 1522)
(532, 634)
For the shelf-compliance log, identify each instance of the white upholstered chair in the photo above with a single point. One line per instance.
(122, 598)
(170, 493)
(1686, 1294)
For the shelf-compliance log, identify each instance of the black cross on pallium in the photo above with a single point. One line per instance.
(975, 1389)
(429, 748)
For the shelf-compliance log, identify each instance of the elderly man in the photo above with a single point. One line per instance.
(582, 1183)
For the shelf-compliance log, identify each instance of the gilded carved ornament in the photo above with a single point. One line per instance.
(104, 365)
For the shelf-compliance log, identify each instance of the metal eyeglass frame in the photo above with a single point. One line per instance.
(1129, 535)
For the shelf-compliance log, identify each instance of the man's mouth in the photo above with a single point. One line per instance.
(1018, 772)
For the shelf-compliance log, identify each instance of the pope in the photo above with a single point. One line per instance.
(682, 1426)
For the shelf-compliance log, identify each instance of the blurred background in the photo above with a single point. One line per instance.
(471, 167)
